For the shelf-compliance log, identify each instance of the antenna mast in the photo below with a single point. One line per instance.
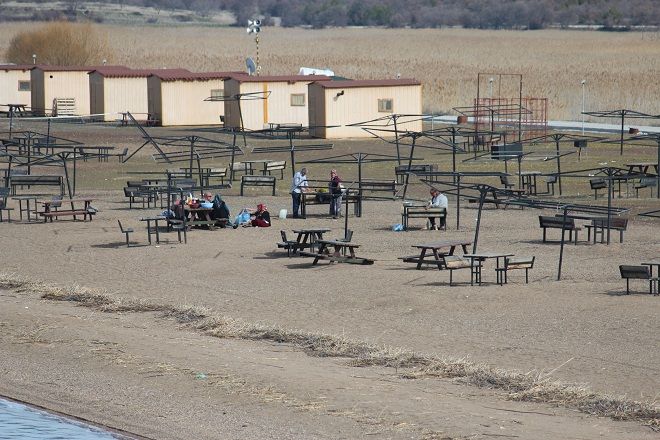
(254, 27)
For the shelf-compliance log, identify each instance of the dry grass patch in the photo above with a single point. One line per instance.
(532, 386)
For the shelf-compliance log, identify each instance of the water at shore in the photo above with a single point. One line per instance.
(25, 423)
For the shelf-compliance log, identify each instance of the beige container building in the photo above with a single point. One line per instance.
(15, 85)
(65, 84)
(268, 100)
(340, 103)
(116, 90)
(181, 98)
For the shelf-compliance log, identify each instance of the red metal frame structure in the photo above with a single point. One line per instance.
(523, 117)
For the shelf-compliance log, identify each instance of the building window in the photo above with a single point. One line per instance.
(385, 105)
(298, 99)
(217, 93)
(24, 86)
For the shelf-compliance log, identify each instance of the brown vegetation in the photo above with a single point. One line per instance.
(59, 44)
(524, 387)
(620, 68)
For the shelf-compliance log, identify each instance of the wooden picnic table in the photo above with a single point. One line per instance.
(309, 237)
(251, 163)
(478, 259)
(70, 210)
(339, 253)
(436, 256)
(641, 167)
(199, 217)
(529, 181)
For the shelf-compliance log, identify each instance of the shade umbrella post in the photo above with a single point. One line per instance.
(482, 196)
(453, 152)
(458, 201)
(74, 170)
(190, 160)
(410, 159)
(623, 118)
(610, 190)
(199, 173)
(233, 156)
(396, 139)
(360, 183)
(292, 149)
(563, 240)
(558, 165)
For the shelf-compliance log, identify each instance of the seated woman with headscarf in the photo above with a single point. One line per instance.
(260, 217)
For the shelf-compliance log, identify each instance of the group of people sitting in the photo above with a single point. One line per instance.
(259, 217)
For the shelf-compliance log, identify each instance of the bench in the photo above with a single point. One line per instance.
(68, 212)
(454, 262)
(133, 193)
(422, 212)
(258, 181)
(215, 173)
(279, 165)
(599, 225)
(514, 263)
(319, 198)
(36, 180)
(387, 186)
(597, 184)
(401, 170)
(239, 167)
(4, 192)
(645, 182)
(639, 273)
(289, 245)
(507, 182)
(549, 222)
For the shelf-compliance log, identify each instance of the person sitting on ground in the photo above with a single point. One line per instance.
(438, 200)
(261, 217)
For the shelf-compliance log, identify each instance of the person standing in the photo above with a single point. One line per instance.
(298, 186)
(438, 200)
(335, 187)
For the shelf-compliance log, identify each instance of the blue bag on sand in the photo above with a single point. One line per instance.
(397, 227)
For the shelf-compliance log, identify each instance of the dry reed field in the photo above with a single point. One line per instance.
(622, 70)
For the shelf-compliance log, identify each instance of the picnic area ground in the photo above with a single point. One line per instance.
(165, 375)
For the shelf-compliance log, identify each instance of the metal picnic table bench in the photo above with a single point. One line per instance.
(436, 257)
(323, 253)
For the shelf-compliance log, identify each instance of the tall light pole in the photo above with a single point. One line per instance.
(490, 87)
(584, 82)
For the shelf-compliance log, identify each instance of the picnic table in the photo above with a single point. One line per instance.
(308, 237)
(641, 167)
(17, 109)
(73, 209)
(339, 253)
(437, 253)
(478, 259)
(529, 181)
(251, 165)
(199, 217)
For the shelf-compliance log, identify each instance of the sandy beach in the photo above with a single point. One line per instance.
(155, 375)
